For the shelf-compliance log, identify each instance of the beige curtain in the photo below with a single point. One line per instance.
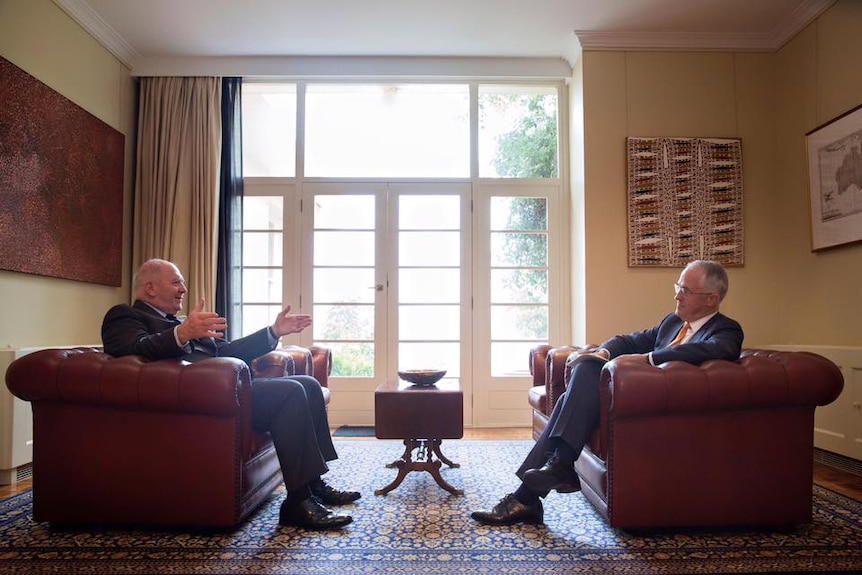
(177, 179)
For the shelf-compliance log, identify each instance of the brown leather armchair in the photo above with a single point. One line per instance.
(720, 444)
(137, 442)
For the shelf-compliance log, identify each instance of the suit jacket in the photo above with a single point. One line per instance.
(719, 338)
(138, 329)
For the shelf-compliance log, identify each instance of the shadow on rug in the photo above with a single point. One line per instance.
(419, 528)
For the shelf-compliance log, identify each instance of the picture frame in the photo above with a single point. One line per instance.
(835, 181)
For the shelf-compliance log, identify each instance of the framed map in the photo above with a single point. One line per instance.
(835, 180)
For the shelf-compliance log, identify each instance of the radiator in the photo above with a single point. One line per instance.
(838, 426)
(16, 425)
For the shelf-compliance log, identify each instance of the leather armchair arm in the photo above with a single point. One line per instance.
(761, 378)
(538, 356)
(314, 360)
(89, 377)
(278, 363)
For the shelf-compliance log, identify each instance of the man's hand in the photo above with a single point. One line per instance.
(633, 358)
(200, 323)
(287, 322)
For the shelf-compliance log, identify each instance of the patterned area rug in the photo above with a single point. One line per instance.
(420, 529)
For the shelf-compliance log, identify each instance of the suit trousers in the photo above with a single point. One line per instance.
(575, 415)
(292, 410)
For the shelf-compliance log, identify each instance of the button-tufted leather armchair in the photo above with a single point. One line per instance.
(720, 444)
(136, 442)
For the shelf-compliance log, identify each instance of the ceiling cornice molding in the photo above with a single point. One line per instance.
(325, 67)
(83, 14)
(806, 13)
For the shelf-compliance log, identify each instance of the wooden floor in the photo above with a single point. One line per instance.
(843, 482)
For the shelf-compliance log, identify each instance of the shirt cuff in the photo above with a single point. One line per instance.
(187, 347)
(273, 339)
(649, 356)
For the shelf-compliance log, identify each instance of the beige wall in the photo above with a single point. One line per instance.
(783, 293)
(38, 37)
(817, 79)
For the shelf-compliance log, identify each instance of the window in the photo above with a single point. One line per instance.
(268, 130)
(519, 280)
(387, 130)
(419, 223)
(262, 261)
(518, 132)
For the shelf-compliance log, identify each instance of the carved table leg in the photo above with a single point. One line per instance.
(434, 469)
(426, 451)
(404, 468)
(435, 447)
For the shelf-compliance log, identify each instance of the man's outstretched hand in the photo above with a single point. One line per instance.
(200, 323)
(287, 322)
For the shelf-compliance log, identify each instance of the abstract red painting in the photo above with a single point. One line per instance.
(61, 185)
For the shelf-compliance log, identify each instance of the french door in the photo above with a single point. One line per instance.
(413, 275)
(390, 284)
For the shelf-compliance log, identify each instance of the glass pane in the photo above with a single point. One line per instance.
(517, 132)
(511, 358)
(268, 130)
(428, 322)
(429, 213)
(515, 213)
(429, 248)
(519, 322)
(519, 286)
(262, 286)
(351, 359)
(262, 249)
(338, 322)
(256, 317)
(435, 355)
(513, 249)
(344, 285)
(429, 285)
(262, 213)
(344, 212)
(392, 130)
(344, 248)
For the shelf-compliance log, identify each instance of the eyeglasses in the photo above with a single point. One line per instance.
(687, 292)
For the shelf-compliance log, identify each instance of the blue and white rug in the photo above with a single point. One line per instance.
(421, 529)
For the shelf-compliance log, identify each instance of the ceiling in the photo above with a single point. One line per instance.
(140, 30)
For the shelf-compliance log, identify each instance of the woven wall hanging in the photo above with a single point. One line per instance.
(684, 201)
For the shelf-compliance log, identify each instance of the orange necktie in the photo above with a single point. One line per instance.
(683, 331)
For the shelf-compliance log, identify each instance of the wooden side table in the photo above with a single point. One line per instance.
(423, 416)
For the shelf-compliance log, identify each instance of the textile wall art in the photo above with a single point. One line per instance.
(61, 185)
(684, 201)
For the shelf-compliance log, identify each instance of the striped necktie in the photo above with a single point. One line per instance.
(683, 331)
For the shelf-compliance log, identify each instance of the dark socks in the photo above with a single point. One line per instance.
(526, 496)
(564, 451)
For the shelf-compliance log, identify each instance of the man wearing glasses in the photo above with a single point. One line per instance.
(695, 332)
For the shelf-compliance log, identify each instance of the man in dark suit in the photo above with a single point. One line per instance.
(292, 409)
(694, 333)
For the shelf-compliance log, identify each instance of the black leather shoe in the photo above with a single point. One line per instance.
(510, 511)
(554, 475)
(330, 496)
(311, 514)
